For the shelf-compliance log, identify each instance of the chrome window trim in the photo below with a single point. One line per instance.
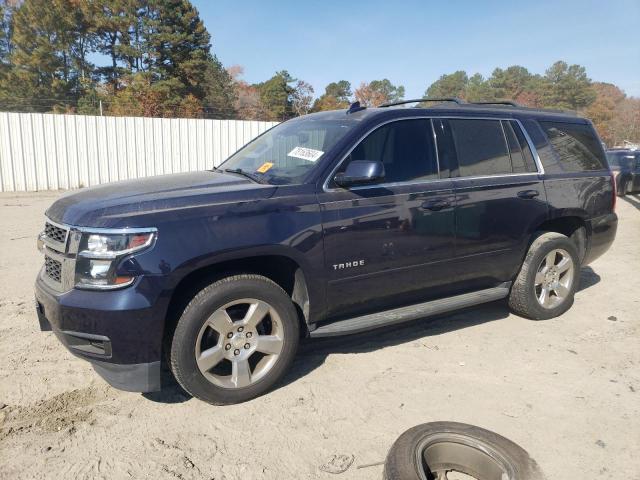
(391, 184)
(534, 152)
(435, 145)
(506, 144)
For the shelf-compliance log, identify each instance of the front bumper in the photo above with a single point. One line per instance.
(119, 332)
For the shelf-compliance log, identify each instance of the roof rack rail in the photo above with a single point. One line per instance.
(444, 99)
(498, 102)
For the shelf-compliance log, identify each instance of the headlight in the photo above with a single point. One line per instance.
(99, 253)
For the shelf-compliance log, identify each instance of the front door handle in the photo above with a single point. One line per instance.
(528, 194)
(435, 204)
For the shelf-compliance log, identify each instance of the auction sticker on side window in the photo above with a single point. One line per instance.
(305, 153)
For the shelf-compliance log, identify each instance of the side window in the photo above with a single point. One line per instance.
(405, 147)
(521, 156)
(543, 147)
(577, 147)
(481, 147)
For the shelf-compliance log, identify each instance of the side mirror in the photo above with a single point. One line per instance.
(360, 172)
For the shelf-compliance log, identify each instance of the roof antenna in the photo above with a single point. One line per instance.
(355, 107)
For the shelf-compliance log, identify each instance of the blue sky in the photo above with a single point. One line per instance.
(412, 43)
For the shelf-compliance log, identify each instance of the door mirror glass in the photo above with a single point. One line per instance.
(360, 172)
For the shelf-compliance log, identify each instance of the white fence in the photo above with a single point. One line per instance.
(50, 152)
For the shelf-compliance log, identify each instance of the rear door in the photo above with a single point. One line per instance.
(500, 196)
(389, 243)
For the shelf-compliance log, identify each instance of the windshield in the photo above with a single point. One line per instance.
(289, 151)
(620, 159)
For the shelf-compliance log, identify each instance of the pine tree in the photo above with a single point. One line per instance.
(48, 49)
(450, 85)
(40, 78)
(5, 33)
(336, 96)
(5, 49)
(276, 96)
(567, 86)
(220, 92)
(178, 45)
(116, 23)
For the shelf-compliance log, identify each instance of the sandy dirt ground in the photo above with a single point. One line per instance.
(567, 390)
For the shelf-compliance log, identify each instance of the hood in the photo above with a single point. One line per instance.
(137, 203)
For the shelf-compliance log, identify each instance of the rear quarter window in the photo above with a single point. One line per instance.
(576, 146)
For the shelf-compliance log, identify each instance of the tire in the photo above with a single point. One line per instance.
(526, 289)
(426, 451)
(625, 187)
(630, 188)
(231, 322)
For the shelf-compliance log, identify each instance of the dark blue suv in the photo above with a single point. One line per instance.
(327, 224)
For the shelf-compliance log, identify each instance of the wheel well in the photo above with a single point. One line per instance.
(572, 227)
(282, 270)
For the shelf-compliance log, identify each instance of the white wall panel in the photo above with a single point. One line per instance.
(50, 152)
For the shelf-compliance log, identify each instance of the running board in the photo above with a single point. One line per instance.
(412, 312)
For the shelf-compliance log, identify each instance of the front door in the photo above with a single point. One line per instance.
(388, 244)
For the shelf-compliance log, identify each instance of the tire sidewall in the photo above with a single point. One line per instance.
(401, 464)
(197, 312)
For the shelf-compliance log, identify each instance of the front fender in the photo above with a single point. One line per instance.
(285, 225)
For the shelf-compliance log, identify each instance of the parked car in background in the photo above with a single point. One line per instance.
(625, 165)
(328, 224)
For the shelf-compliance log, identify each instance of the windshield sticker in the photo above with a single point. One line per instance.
(265, 167)
(305, 153)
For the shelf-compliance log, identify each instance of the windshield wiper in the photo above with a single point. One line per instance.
(239, 171)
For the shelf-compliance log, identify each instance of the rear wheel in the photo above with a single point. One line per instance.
(548, 279)
(235, 340)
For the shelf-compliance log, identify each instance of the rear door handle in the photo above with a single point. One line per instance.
(528, 194)
(435, 204)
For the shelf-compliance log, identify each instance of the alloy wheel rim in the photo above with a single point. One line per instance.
(239, 343)
(450, 456)
(554, 278)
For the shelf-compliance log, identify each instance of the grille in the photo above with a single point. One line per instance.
(56, 234)
(53, 268)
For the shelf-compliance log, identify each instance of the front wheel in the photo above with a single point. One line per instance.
(235, 340)
(548, 278)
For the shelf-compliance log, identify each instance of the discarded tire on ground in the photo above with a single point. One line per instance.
(431, 451)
